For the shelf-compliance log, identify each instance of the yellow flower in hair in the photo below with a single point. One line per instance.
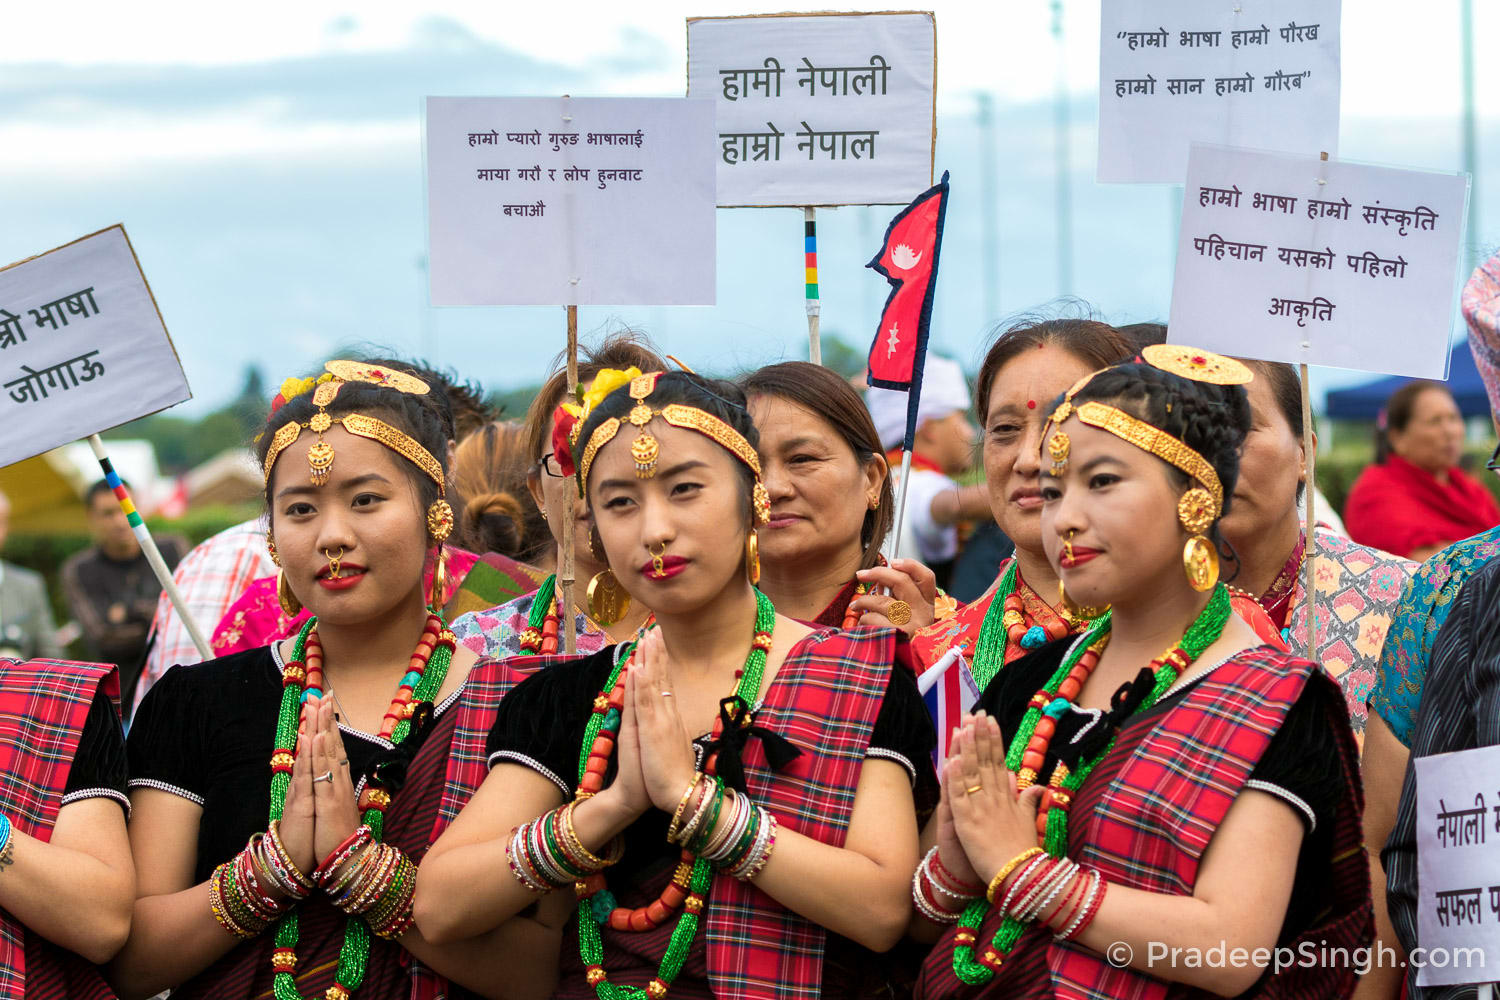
(606, 382)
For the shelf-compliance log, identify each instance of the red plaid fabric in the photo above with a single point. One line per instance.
(473, 715)
(1145, 817)
(43, 705)
(825, 700)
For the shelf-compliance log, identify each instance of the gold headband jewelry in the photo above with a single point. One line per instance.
(1158, 442)
(320, 455)
(678, 415)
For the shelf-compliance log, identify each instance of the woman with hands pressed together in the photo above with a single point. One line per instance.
(1127, 808)
(283, 796)
(733, 795)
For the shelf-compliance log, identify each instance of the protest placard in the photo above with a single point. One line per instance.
(1290, 258)
(1458, 866)
(82, 346)
(570, 201)
(818, 109)
(1262, 74)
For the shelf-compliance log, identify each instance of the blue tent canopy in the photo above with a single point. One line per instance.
(1364, 402)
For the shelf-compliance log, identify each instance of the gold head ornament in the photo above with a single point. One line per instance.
(645, 450)
(320, 456)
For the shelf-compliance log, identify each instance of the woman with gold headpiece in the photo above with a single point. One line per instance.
(734, 796)
(529, 625)
(1029, 364)
(1102, 803)
(283, 796)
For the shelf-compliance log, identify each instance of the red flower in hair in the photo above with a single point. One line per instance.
(564, 420)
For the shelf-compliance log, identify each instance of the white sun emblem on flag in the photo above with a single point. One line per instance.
(905, 257)
(894, 340)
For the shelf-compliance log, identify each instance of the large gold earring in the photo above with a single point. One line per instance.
(752, 557)
(1201, 563)
(290, 606)
(608, 601)
(439, 581)
(1077, 612)
(1196, 511)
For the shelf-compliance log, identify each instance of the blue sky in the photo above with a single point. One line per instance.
(268, 169)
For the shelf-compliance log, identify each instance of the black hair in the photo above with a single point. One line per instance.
(419, 416)
(96, 488)
(1211, 419)
(724, 400)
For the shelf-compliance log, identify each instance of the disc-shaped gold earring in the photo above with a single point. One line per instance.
(1200, 562)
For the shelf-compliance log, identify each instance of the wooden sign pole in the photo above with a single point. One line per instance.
(565, 571)
(1310, 494)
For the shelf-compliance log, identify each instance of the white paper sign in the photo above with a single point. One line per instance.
(1458, 866)
(82, 346)
(559, 201)
(819, 109)
(1255, 73)
(1288, 258)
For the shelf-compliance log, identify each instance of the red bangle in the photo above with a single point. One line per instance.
(1080, 889)
(1037, 865)
(1021, 892)
(952, 881)
(1093, 910)
(361, 836)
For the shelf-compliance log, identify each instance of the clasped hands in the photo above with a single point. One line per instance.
(982, 821)
(321, 812)
(654, 756)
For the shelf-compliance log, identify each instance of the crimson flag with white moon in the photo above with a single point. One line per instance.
(909, 261)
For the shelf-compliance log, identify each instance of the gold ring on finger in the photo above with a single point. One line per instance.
(972, 789)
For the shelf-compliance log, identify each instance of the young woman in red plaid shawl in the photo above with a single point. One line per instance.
(1188, 796)
(66, 878)
(731, 798)
(283, 797)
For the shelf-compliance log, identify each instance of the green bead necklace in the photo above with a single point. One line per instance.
(354, 953)
(590, 941)
(1204, 631)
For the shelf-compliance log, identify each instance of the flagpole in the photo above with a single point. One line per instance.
(148, 546)
(901, 502)
(810, 276)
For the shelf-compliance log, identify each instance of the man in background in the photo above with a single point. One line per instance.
(111, 590)
(26, 628)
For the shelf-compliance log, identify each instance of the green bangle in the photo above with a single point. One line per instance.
(702, 835)
(554, 851)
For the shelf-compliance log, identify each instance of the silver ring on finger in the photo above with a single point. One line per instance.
(325, 776)
(344, 762)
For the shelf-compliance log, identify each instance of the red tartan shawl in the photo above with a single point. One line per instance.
(825, 699)
(43, 705)
(1151, 824)
(1147, 814)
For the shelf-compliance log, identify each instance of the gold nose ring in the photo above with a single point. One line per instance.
(334, 569)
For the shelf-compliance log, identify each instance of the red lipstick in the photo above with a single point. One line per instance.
(1080, 556)
(347, 578)
(670, 567)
